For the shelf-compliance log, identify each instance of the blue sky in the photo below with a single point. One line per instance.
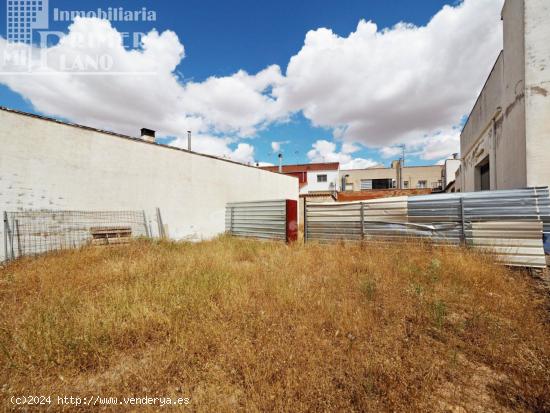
(221, 38)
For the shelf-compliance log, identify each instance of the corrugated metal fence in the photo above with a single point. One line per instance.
(275, 219)
(514, 223)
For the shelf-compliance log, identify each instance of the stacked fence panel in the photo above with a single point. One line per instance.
(257, 219)
(512, 242)
(36, 232)
(479, 219)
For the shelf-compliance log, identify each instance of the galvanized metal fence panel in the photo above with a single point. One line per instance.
(257, 219)
(513, 242)
(36, 232)
(451, 218)
(327, 222)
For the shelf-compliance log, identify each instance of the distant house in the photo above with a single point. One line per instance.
(394, 177)
(314, 178)
(448, 173)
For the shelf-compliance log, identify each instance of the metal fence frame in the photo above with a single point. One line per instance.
(443, 218)
(32, 232)
(271, 219)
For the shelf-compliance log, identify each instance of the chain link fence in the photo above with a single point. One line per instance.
(36, 232)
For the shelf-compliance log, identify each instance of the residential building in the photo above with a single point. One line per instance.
(314, 178)
(396, 176)
(505, 142)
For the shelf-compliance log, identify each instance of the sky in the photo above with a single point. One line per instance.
(319, 81)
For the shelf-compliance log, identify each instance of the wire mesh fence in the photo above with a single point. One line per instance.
(36, 232)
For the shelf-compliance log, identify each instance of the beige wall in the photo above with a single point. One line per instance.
(411, 174)
(49, 165)
(355, 175)
(431, 173)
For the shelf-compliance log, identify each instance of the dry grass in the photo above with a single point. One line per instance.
(244, 325)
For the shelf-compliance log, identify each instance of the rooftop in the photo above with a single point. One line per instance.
(288, 169)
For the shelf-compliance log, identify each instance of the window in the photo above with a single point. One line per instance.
(405, 184)
(422, 184)
(381, 183)
(366, 184)
(321, 178)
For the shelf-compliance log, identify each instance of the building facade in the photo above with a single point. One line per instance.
(314, 178)
(448, 173)
(505, 142)
(50, 165)
(396, 176)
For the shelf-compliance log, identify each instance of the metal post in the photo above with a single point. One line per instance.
(10, 234)
(286, 222)
(18, 238)
(6, 227)
(362, 221)
(305, 220)
(147, 234)
(160, 224)
(232, 211)
(151, 228)
(463, 236)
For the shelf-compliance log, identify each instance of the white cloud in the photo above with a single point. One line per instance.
(276, 145)
(349, 147)
(325, 151)
(441, 146)
(212, 145)
(405, 84)
(390, 151)
(390, 86)
(146, 93)
(244, 153)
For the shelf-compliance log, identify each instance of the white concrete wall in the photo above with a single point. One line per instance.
(510, 140)
(537, 91)
(48, 165)
(517, 96)
(449, 171)
(313, 185)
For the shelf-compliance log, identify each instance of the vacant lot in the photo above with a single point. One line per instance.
(244, 325)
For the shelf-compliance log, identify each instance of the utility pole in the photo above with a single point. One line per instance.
(401, 165)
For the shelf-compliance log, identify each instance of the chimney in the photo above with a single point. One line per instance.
(455, 155)
(188, 140)
(280, 163)
(148, 135)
